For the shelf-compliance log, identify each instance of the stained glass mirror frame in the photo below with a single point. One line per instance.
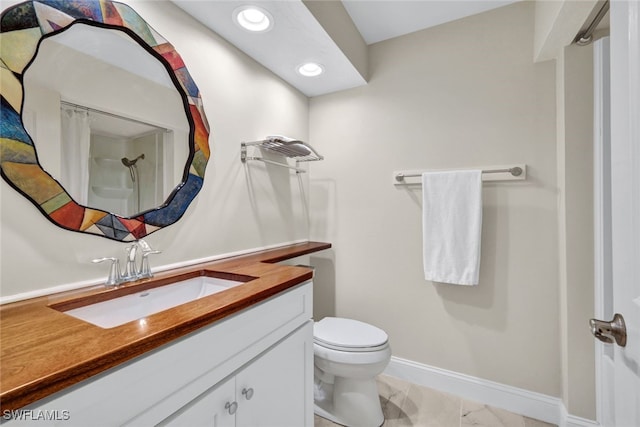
(22, 28)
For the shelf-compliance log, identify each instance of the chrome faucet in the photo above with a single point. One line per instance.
(131, 272)
(145, 269)
(131, 269)
(115, 276)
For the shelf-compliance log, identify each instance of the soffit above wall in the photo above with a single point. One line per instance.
(306, 31)
(296, 37)
(557, 24)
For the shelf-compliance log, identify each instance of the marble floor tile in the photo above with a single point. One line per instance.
(425, 407)
(409, 405)
(530, 422)
(393, 393)
(321, 422)
(477, 414)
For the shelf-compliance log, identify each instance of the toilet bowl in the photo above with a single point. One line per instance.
(348, 354)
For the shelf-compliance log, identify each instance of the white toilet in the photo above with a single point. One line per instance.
(348, 355)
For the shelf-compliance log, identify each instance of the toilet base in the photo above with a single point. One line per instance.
(321, 412)
(349, 402)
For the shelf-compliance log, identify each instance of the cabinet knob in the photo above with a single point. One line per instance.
(247, 393)
(232, 407)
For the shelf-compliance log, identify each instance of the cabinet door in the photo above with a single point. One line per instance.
(214, 407)
(276, 389)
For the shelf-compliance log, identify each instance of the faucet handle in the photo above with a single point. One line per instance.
(115, 276)
(130, 270)
(145, 268)
(145, 247)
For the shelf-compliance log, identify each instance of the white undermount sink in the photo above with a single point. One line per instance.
(118, 311)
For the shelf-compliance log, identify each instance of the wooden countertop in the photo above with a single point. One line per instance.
(44, 350)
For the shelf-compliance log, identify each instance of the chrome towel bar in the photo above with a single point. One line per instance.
(506, 173)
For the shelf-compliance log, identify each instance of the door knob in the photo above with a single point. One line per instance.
(609, 332)
(247, 393)
(232, 407)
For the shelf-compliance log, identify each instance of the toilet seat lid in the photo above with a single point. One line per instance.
(348, 333)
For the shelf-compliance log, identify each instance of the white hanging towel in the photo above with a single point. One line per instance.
(451, 226)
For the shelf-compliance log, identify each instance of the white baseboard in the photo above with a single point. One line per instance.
(524, 402)
(567, 420)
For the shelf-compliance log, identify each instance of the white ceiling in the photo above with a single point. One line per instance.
(383, 20)
(297, 36)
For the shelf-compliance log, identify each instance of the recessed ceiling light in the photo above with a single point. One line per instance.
(253, 18)
(310, 69)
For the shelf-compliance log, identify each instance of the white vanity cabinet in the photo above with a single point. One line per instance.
(266, 392)
(215, 407)
(277, 379)
(196, 380)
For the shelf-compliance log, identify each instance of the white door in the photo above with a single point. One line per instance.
(620, 365)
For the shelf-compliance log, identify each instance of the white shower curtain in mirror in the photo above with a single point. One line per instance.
(76, 133)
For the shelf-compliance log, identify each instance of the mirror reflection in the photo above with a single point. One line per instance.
(108, 122)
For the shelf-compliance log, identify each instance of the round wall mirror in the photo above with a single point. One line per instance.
(102, 127)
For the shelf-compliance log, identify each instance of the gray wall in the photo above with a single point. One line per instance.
(575, 216)
(463, 94)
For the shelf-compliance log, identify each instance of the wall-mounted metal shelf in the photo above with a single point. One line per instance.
(287, 147)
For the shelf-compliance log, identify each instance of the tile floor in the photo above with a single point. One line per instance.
(409, 405)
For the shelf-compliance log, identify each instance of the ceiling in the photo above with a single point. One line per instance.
(383, 20)
(298, 35)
